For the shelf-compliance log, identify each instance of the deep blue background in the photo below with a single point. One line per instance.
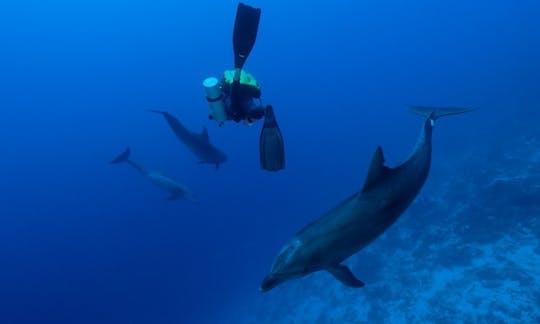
(82, 241)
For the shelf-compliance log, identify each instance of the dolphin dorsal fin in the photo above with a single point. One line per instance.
(204, 134)
(377, 170)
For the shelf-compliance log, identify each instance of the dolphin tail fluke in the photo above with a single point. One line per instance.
(435, 113)
(124, 157)
(161, 112)
(345, 275)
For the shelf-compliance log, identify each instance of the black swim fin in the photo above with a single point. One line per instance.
(271, 146)
(246, 25)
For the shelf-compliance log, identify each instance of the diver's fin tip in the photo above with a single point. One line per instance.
(271, 144)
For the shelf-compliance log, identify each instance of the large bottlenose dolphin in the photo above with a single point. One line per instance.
(199, 144)
(358, 220)
(176, 190)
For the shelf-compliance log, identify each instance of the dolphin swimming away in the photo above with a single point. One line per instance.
(199, 144)
(175, 189)
(361, 218)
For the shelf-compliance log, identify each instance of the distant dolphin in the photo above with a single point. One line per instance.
(358, 220)
(199, 144)
(175, 189)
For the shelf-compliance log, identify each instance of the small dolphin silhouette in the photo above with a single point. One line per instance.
(199, 144)
(175, 189)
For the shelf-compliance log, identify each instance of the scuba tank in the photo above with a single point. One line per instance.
(214, 96)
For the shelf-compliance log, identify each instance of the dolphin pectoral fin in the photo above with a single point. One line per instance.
(174, 196)
(344, 274)
(124, 157)
(204, 135)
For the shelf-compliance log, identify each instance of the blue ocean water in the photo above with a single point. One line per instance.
(83, 241)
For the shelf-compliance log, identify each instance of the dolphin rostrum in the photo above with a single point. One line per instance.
(199, 144)
(361, 218)
(176, 190)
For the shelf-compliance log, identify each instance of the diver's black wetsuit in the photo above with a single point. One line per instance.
(243, 107)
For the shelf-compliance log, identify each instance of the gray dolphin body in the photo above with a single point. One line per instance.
(199, 144)
(175, 189)
(361, 218)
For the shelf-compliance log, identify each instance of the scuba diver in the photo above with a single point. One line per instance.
(237, 96)
(243, 107)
